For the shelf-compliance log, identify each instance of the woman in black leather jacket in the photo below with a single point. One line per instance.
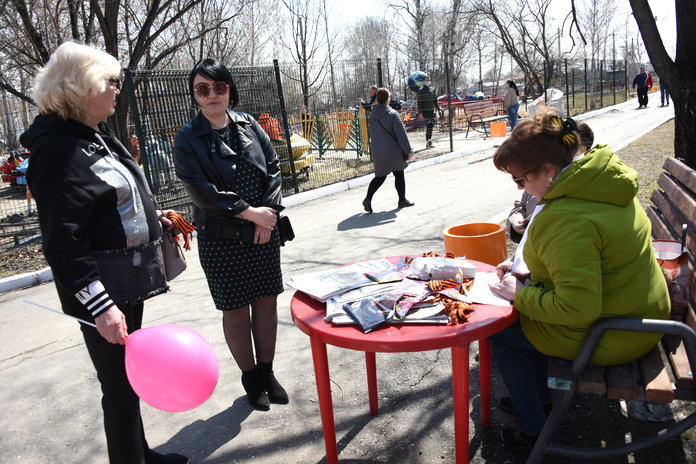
(228, 166)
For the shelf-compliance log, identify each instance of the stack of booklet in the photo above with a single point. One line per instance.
(373, 292)
(324, 285)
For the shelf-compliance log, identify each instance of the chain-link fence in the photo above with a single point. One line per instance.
(18, 219)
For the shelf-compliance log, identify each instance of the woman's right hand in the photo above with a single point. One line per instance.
(263, 216)
(502, 268)
(111, 324)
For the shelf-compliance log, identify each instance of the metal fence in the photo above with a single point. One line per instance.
(18, 218)
(312, 113)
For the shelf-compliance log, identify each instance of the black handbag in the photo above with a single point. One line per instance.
(285, 229)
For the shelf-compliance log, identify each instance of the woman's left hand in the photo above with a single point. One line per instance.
(261, 235)
(508, 287)
(166, 223)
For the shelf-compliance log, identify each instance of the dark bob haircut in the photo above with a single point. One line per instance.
(216, 71)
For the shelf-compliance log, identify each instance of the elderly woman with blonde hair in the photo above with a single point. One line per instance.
(100, 228)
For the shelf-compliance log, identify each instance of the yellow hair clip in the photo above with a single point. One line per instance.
(569, 139)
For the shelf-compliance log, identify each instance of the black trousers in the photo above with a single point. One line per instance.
(123, 425)
(429, 116)
(642, 96)
(399, 183)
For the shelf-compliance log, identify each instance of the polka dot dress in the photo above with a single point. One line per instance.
(241, 273)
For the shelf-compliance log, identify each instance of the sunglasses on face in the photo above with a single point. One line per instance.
(520, 180)
(202, 90)
(115, 81)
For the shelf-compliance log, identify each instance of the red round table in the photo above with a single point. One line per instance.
(308, 315)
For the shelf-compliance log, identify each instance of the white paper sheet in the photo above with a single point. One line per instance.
(481, 293)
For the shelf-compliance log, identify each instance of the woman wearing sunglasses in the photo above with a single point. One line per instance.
(589, 254)
(228, 166)
(100, 229)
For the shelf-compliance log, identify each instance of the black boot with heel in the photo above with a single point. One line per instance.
(276, 393)
(253, 384)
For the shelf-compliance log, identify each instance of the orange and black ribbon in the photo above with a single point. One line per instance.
(185, 227)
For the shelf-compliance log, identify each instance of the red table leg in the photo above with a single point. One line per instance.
(460, 387)
(321, 374)
(485, 380)
(372, 381)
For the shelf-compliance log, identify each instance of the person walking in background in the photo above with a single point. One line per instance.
(229, 167)
(427, 103)
(100, 228)
(643, 81)
(589, 255)
(372, 91)
(391, 149)
(664, 95)
(511, 102)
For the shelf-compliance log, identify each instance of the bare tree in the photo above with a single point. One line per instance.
(331, 44)
(134, 32)
(454, 40)
(596, 20)
(305, 44)
(525, 30)
(414, 13)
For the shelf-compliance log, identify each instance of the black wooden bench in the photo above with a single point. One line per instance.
(649, 378)
(481, 112)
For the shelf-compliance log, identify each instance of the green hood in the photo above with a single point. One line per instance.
(599, 176)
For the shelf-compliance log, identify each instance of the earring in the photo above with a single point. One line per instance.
(549, 181)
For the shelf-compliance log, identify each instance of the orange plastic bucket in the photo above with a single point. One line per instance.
(498, 129)
(480, 241)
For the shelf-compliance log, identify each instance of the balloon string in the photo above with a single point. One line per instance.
(62, 314)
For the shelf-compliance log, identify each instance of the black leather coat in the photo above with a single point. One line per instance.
(200, 162)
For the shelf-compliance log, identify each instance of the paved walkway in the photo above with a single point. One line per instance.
(50, 393)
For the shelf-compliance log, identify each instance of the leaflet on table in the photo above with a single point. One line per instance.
(481, 293)
(323, 285)
(407, 294)
(382, 303)
(334, 305)
(369, 314)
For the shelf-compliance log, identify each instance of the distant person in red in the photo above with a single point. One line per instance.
(644, 82)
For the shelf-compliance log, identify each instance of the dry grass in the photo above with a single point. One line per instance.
(647, 155)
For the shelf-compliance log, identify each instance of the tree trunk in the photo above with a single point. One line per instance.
(684, 101)
(677, 75)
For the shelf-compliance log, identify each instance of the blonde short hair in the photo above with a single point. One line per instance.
(73, 74)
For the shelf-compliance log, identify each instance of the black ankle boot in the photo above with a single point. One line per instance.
(253, 384)
(276, 393)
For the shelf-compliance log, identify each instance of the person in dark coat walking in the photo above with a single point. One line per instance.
(644, 82)
(427, 104)
(391, 149)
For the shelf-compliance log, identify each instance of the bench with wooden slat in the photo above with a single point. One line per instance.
(663, 374)
(481, 112)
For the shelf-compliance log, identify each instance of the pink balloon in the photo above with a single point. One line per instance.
(170, 367)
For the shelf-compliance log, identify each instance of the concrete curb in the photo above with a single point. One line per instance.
(26, 279)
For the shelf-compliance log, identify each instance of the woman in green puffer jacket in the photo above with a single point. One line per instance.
(590, 257)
